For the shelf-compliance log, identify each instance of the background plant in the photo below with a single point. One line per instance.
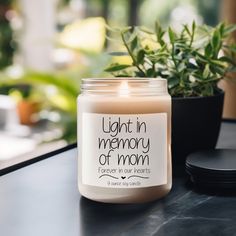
(192, 60)
(56, 91)
(7, 45)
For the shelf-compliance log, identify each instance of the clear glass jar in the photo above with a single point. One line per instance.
(124, 139)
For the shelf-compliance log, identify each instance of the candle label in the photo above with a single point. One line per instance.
(124, 151)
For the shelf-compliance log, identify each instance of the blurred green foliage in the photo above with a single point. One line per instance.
(6, 35)
(59, 90)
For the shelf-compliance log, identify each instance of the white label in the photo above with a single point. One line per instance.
(124, 151)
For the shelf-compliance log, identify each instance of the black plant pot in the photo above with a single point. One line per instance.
(195, 124)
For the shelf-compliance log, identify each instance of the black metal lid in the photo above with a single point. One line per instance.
(213, 168)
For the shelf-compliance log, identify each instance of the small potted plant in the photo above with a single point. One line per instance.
(193, 63)
(27, 106)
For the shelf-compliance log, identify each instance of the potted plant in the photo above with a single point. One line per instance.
(27, 106)
(193, 63)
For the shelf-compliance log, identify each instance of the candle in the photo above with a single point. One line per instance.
(124, 140)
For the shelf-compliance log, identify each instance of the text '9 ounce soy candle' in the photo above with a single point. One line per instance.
(124, 139)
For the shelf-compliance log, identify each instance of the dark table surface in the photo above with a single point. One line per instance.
(42, 199)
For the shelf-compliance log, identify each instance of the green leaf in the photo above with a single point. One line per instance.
(123, 75)
(113, 68)
(193, 26)
(150, 73)
(187, 29)
(216, 41)
(227, 59)
(140, 56)
(118, 54)
(159, 33)
(217, 63)
(206, 72)
(208, 50)
(173, 82)
(181, 66)
(221, 28)
(171, 35)
(217, 70)
(229, 29)
(132, 36)
(126, 29)
(134, 43)
(139, 74)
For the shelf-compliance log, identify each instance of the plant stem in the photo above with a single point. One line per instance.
(131, 54)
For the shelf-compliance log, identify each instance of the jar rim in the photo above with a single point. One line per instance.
(119, 79)
(136, 85)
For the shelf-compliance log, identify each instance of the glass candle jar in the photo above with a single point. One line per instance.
(124, 140)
